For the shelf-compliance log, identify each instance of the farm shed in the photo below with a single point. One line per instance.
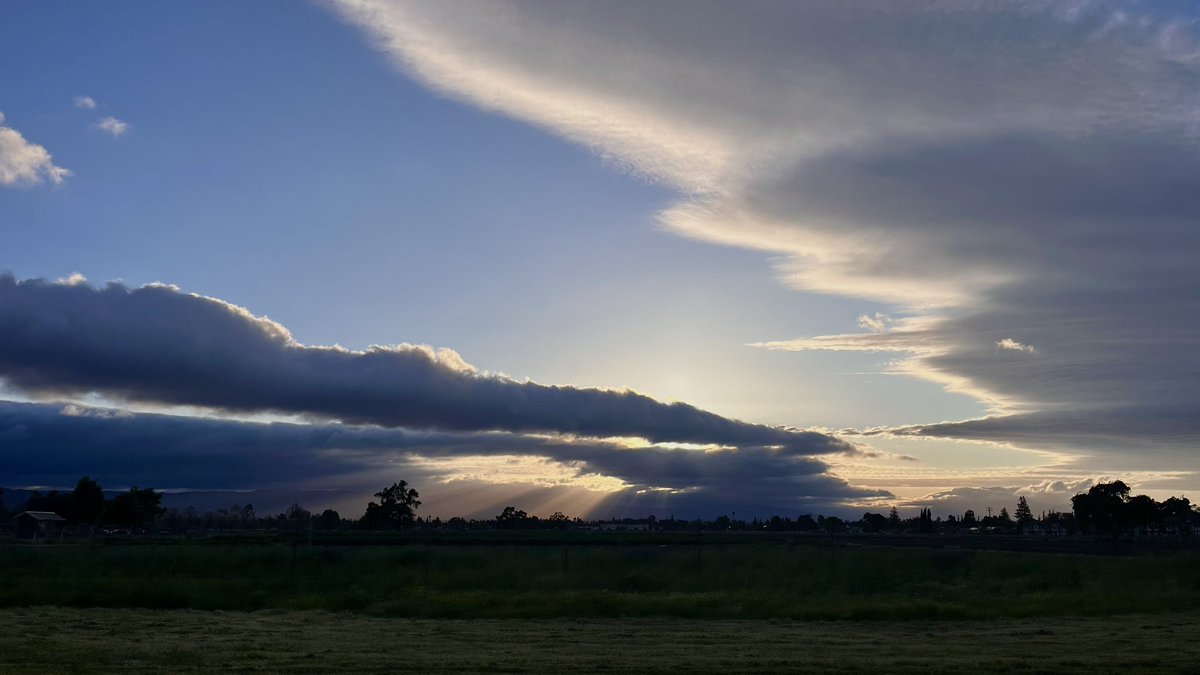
(39, 524)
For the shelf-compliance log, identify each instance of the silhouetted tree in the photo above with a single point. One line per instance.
(189, 517)
(511, 518)
(894, 519)
(968, 519)
(329, 520)
(55, 501)
(832, 524)
(1004, 521)
(1101, 508)
(806, 523)
(136, 507)
(295, 512)
(1023, 513)
(925, 521)
(558, 520)
(1143, 512)
(1177, 513)
(87, 502)
(396, 508)
(874, 522)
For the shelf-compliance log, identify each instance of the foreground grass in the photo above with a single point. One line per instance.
(544, 582)
(70, 640)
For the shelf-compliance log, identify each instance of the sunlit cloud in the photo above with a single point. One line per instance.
(1034, 194)
(1012, 345)
(23, 163)
(876, 323)
(155, 344)
(46, 444)
(517, 469)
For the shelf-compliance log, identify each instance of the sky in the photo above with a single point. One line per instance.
(674, 257)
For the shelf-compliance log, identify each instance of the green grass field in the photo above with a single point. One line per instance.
(546, 582)
(179, 606)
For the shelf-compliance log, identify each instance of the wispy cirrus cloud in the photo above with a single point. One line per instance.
(995, 170)
(25, 163)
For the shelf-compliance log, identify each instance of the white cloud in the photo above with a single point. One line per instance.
(74, 279)
(991, 168)
(876, 324)
(1012, 345)
(25, 163)
(85, 102)
(113, 126)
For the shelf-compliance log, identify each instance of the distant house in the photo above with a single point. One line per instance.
(39, 525)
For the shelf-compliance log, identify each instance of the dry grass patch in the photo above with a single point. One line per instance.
(43, 639)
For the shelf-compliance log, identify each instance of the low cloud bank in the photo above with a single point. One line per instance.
(42, 444)
(157, 344)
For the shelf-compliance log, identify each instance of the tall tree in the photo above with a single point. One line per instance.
(294, 512)
(1142, 511)
(1101, 508)
(1024, 513)
(87, 502)
(395, 510)
(329, 520)
(55, 501)
(511, 518)
(136, 507)
(1177, 512)
(874, 522)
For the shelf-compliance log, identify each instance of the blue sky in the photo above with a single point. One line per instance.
(291, 171)
(373, 173)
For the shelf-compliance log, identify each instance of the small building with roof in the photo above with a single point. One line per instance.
(39, 525)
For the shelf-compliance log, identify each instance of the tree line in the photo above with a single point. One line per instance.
(88, 506)
(1105, 509)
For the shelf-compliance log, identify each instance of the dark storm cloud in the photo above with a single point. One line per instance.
(1086, 330)
(53, 445)
(44, 444)
(157, 344)
(1164, 434)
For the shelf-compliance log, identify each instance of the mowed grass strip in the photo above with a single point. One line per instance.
(544, 582)
(106, 640)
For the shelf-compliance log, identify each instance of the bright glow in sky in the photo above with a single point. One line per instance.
(915, 253)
